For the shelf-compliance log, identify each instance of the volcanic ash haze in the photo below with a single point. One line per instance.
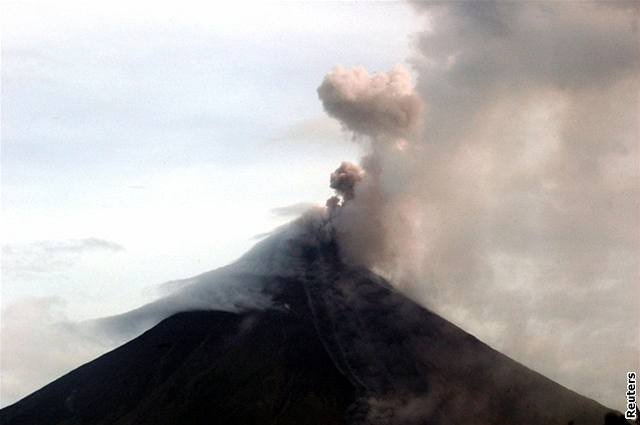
(503, 190)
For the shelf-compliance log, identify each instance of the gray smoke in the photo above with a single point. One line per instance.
(509, 203)
(384, 113)
(344, 180)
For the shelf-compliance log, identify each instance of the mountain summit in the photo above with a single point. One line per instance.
(303, 338)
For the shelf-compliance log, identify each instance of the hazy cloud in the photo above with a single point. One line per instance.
(292, 210)
(47, 256)
(33, 326)
(320, 130)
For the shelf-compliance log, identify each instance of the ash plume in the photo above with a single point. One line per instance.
(383, 111)
(503, 190)
(345, 178)
(382, 104)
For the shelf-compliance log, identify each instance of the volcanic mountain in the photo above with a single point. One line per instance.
(291, 334)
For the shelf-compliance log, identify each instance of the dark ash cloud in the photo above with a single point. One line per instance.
(344, 179)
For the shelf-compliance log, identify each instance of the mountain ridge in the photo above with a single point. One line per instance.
(355, 349)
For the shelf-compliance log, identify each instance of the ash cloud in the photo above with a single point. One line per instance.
(385, 113)
(382, 104)
(508, 203)
(344, 179)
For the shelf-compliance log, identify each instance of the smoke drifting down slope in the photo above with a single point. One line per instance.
(337, 345)
(503, 190)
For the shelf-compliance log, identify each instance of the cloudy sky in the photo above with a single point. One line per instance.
(147, 142)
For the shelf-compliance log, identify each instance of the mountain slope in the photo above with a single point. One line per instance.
(410, 364)
(336, 345)
(200, 368)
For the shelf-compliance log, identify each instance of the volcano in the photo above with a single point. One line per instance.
(291, 334)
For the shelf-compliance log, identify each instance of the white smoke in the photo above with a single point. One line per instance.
(509, 203)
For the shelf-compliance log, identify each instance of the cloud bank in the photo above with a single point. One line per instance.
(46, 256)
(39, 344)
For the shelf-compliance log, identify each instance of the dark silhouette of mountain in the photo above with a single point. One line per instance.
(200, 368)
(337, 345)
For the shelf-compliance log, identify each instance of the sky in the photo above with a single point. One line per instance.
(144, 142)
(148, 142)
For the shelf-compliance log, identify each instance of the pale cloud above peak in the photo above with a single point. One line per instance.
(51, 255)
(293, 210)
(320, 130)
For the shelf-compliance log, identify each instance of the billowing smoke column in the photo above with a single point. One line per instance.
(345, 178)
(380, 105)
(384, 113)
(510, 199)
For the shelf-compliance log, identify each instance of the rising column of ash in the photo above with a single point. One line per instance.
(384, 114)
